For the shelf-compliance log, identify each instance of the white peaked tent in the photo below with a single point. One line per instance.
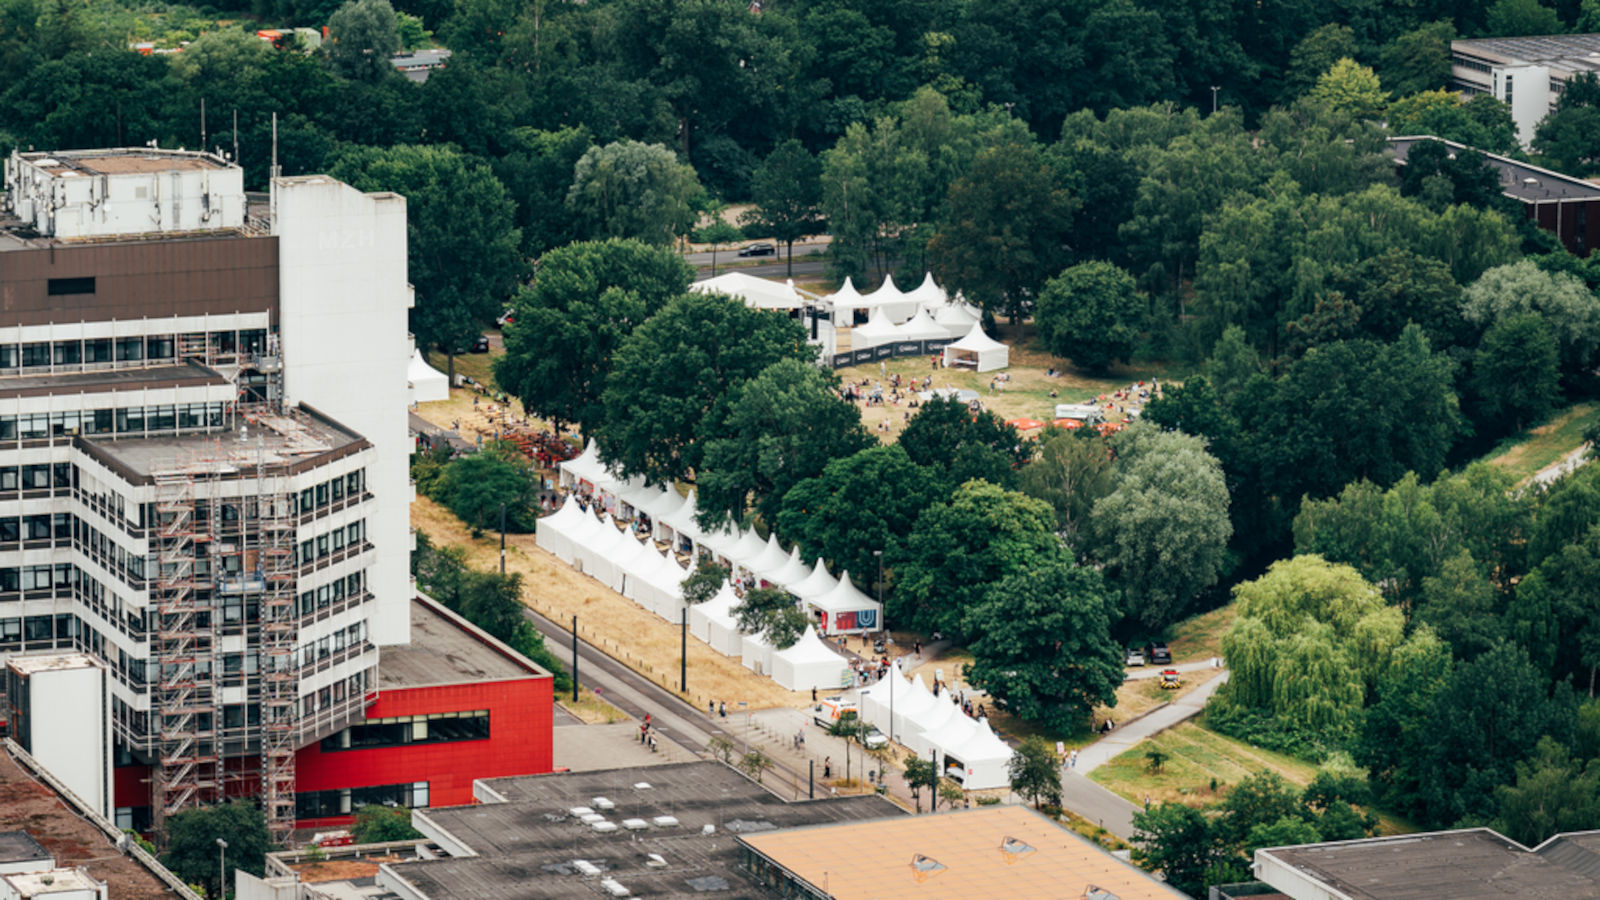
(922, 327)
(581, 529)
(878, 330)
(712, 621)
(759, 293)
(427, 383)
(890, 299)
(928, 294)
(756, 654)
(978, 348)
(682, 522)
(666, 504)
(586, 466)
(984, 757)
(634, 566)
(720, 543)
(955, 319)
(874, 700)
(845, 609)
(667, 579)
(772, 558)
(909, 707)
(809, 664)
(937, 717)
(951, 734)
(847, 299)
(793, 571)
(818, 583)
(603, 552)
(554, 532)
(749, 547)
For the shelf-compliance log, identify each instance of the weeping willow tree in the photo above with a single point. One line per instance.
(1311, 640)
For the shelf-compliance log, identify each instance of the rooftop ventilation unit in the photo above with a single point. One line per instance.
(592, 818)
(585, 868)
(1098, 893)
(635, 824)
(613, 887)
(642, 785)
(603, 827)
(602, 803)
(581, 811)
(655, 861)
(665, 821)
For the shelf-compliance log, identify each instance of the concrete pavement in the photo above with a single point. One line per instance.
(1154, 671)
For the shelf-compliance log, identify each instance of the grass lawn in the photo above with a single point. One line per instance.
(1200, 637)
(1525, 454)
(1199, 758)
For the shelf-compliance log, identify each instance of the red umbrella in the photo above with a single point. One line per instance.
(1024, 424)
(1069, 424)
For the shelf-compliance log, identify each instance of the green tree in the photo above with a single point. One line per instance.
(704, 583)
(859, 505)
(1556, 612)
(1441, 113)
(1570, 310)
(1043, 647)
(1316, 54)
(716, 234)
(1006, 228)
(921, 775)
(1462, 607)
(946, 437)
(462, 249)
(787, 192)
(536, 168)
(192, 841)
(1567, 138)
(1177, 841)
(379, 824)
(629, 189)
(1507, 18)
(1418, 60)
(475, 486)
(671, 380)
(958, 549)
(1035, 772)
(783, 426)
(586, 298)
(1392, 738)
(1553, 793)
(773, 614)
(1261, 800)
(1516, 372)
(1071, 473)
(1162, 530)
(362, 36)
(1091, 314)
(1350, 88)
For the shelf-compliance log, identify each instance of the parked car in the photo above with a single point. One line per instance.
(761, 248)
(481, 344)
(1135, 657)
(875, 739)
(1158, 654)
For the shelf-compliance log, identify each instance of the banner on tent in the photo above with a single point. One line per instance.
(865, 619)
(889, 351)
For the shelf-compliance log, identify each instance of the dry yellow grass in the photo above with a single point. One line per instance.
(606, 619)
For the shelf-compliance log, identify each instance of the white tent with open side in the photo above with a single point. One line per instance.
(793, 571)
(910, 707)
(977, 350)
(844, 609)
(921, 327)
(756, 653)
(817, 584)
(427, 383)
(585, 467)
(809, 664)
(928, 294)
(713, 622)
(758, 293)
(768, 562)
(983, 759)
(554, 532)
(878, 330)
(933, 720)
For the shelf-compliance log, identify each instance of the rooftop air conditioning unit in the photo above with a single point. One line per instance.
(613, 887)
(586, 868)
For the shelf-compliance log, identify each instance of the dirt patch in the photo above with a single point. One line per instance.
(606, 619)
(341, 869)
(26, 805)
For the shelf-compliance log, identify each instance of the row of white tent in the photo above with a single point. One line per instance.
(910, 714)
(836, 605)
(896, 305)
(653, 579)
(949, 321)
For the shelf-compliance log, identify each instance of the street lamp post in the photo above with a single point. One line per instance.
(883, 623)
(1214, 89)
(222, 868)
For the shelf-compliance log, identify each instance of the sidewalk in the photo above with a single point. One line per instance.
(1122, 739)
(1154, 671)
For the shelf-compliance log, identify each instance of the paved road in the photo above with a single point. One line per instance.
(726, 255)
(1155, 671)
(1562, 466)
(1097, 804)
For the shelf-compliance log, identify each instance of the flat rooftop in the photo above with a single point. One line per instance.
(999, 852)
(530, 845)
(53, 662)
(73, 383)
(1518, 180)
(56, 881)
(268, 440)
(19, 846)
(122, 161)
(1469, 864)
(445, 650)
(1574, 52)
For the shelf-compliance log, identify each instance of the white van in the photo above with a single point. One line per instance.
(1087, 413)
(829, 709)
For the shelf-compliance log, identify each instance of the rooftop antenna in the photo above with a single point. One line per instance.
(236, 134)
(202, 124)
(273, 173)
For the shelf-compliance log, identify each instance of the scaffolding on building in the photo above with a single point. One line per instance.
(275, 560)
(189, 765)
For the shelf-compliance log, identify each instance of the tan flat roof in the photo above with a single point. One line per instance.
(122, 161)
(445, 650)
(999, 852)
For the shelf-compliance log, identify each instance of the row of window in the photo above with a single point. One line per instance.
(324, 544)
(333, 491)
(99, 351)
(332, 644)
(160, 419)
(326, 804)
(37, 477)
(331, 594)
(398, 731)
(336, 693)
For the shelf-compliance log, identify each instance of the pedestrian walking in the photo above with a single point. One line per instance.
(711, 707)
(813, 695)
(827, 767)
(722, 709)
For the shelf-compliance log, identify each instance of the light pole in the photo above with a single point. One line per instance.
(1214, 89)
(883, 623)
(222, 868)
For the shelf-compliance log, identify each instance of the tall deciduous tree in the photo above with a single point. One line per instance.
(1035, 772)
(1570, 310)
(1178, 841)
(858, 506)
(362, 36)
(1092, 314)
(461, 246)
(1350, 88)
(957, 550)
(1006, 228)
(192, 841)
(787, 191)
(584, 301)
(1556, 613)
(1162, 530)
(1516, 372)
(783, 426)
(947, 437)
(1043, 647)
(670, 381)
(1071, 473)
(629, 189)
(1553, 793)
